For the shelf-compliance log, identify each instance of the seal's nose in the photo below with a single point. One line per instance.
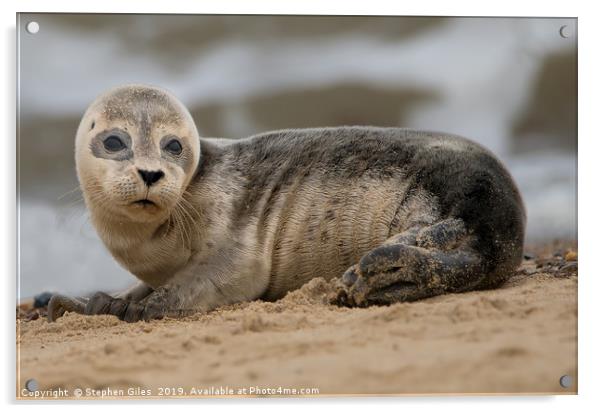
(150, 177)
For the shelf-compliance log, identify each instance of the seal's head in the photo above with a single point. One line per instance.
(136, 151)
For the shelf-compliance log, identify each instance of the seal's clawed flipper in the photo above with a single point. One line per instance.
(407, 268)
(58, 304)
(101, 303)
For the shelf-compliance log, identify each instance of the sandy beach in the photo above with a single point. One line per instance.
(520, 338)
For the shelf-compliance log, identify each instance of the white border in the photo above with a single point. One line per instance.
(590, 286)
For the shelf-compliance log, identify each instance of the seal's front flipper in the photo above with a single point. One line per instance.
(99, 303)
(58, 304)
(102, 303)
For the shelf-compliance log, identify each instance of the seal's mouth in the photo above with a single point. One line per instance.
(144, 202)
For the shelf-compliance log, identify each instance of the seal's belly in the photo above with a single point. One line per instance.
(324, 228)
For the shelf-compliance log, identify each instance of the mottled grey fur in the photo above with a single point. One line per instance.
(398, 214)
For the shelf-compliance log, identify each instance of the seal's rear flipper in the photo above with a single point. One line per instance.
(440, 262)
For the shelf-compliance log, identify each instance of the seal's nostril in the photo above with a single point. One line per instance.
(150, 177)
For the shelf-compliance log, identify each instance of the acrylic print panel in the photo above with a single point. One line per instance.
(348, 253)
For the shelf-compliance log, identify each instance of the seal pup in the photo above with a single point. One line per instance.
(396, 214)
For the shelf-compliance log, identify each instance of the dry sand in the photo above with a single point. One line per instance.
(520, 338)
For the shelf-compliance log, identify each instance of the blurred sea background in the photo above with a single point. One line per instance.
(507, 83)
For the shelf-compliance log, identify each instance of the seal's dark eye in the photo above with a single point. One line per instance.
(174, 147)
(113, 143)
